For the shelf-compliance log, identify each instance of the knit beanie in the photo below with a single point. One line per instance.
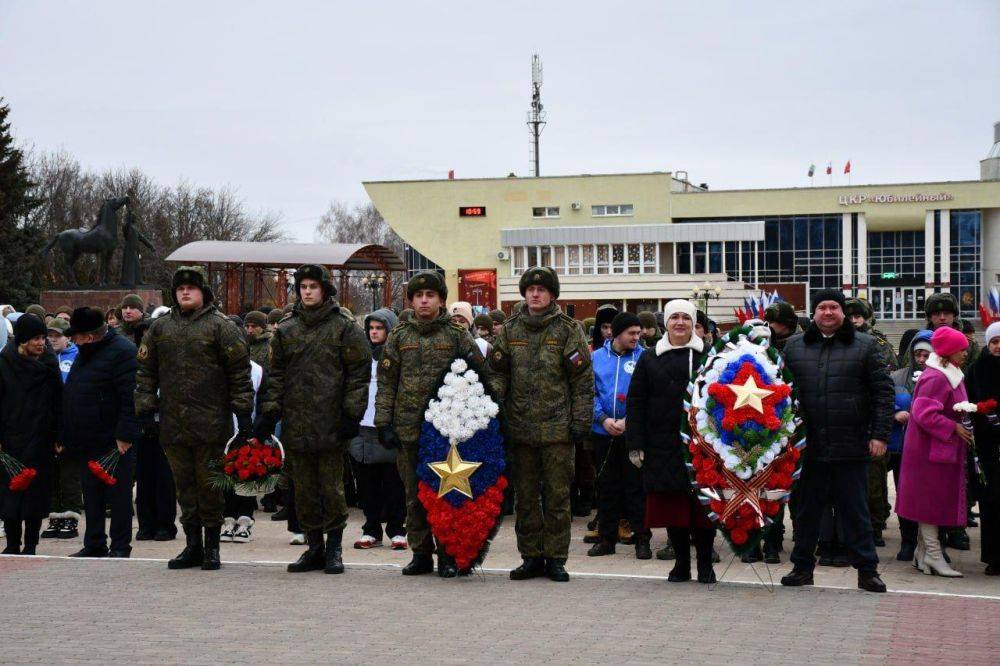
(462, 308)
(498, 316)
(947, 341)
(680, 305)
(133, 301)
(992, 331)
(622, 322)
(36, 310)
(26, 328)
(828, 295)
(483, 321)
(255, 317)
(647, 319)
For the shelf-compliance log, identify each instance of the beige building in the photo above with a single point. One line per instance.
(639, 239)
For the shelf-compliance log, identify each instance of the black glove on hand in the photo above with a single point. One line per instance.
(387, 438)
(264, 428)
(244, 428)
(348, 429)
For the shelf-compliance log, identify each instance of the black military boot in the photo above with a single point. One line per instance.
(531, 567)
(446, 566)
(555, 568)
(422, 563)
(194, 550)
(13, 528)
(679, 539)
(771, 553)
(211, 560)
(797, 578)
(334, 552)
(602, 547)
(314, 557)
(906, 551)
(958, 539)
(703, 539)
(869, 581)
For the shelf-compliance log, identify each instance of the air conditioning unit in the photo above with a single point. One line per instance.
(503, 255)
(575, 205)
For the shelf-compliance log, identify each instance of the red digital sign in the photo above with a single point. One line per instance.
(472, 211)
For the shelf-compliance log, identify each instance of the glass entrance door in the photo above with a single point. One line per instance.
(884, 302)
(912, 302)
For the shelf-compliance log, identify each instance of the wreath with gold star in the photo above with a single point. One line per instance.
(742, 434)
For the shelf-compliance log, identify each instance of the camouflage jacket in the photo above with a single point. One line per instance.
(414, 359)
(884, 347)
(544, 375)
(318, 379)
(195, 369)
(260, 350)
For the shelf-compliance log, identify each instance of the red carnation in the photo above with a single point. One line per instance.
(718, 506)
(228, 469)
(244, 474)
(739, 536)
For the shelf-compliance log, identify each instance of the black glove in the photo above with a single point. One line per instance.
(244, 428)
(264, 428)
(348, 429)
(387, 437)
(149, 428)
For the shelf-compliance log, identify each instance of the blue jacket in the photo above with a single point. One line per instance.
(612, 376)
(66, 358)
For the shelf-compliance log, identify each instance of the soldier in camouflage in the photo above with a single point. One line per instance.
(861, 314)
(194, 369)
(543, 375)
(415, 357)
(317, 387)
(258, 337)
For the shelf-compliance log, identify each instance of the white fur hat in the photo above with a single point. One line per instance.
(680, 305)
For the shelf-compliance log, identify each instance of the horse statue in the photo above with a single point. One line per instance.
(101, 239)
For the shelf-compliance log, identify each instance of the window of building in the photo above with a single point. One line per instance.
(699, 257)
(683, 257)
(559, 259)
(545, 211)
(966, 264)
(573, 259)
(518, 260)
(618, 259)
(602, 259)
(545, 256)
(587, 260)
(898, 252)
(605, 210)
(648, 258)
(416, 262)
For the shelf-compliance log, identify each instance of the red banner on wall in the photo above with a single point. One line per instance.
(478, 287)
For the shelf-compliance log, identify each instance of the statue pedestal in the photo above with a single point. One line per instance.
(102, 299)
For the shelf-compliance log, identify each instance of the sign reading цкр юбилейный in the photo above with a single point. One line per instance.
(853, 199)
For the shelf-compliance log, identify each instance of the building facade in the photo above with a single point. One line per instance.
(637, 240)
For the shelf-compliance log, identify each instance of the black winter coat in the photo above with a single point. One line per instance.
(98, 403)
(30, 393)
(845, 391)
(655, 408)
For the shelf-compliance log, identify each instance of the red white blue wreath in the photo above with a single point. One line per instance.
(460, 466)
(741, 432)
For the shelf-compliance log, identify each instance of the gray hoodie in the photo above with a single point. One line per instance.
(365, 447)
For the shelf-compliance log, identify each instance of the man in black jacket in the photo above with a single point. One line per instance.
(846, 398)
(98, 418)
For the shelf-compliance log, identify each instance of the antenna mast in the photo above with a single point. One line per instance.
(536, 116)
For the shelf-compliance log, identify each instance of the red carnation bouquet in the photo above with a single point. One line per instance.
(104, 468)
(252, 469)
(20, 476)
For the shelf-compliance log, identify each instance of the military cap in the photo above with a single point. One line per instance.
(498, 316)
(941, 302)
(58, 324)
(483, 321)
(542, 276)
(64, 309)
(194, 276)
(781, 312)
(274, 316)
(318, 273)
(133, 301)
(858, 306)
(255, 317)
(647, 319)
(427, 280)
(36, 310)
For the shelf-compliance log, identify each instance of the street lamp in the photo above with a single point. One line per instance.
(375, 282)
(705, 293)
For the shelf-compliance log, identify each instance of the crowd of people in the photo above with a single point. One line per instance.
(590, 414)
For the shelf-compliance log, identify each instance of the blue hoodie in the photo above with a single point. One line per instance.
(66, 358)
(612, 376)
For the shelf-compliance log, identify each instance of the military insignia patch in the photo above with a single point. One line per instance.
(143, 353)
(538, 277)
(575, 359)
(498, 355)
(386, 363)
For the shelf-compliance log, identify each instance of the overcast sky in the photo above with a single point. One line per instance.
(296, 103)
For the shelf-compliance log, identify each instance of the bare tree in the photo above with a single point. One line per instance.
(362, 224)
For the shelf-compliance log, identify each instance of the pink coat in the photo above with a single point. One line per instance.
(932, 472)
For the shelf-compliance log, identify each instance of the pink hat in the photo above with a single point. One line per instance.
(947, 341)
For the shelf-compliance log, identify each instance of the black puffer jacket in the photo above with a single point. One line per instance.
(98, 404)
(655, 411)
(845, 391)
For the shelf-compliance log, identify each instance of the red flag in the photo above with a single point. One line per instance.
(847, 167)
(829, 168)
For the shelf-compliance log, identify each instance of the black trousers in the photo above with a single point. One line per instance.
(96, 496)
(382, 497)
(845, 484)
(907, 528)
(619, 489)
(238, 506)
(155, 496)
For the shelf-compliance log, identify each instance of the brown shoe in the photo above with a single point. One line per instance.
(625, 534)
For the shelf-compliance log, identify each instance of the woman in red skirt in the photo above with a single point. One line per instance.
(655, 412)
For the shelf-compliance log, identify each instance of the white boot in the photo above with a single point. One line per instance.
(933, 557)
(919, 554)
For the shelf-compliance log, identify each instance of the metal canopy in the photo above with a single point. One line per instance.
(345, 256)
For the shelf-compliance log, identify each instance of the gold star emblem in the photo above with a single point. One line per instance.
(749, 394)
(454, 473)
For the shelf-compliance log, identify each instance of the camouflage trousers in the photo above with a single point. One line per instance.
(878, 492)
(67, 493)
(418, 530)
(200, 502)
(541, 475)
(318, 481)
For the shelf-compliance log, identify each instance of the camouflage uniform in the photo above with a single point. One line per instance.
(260, 350)
(544, 376)
(194, 369)
(317, 386)
(415, 357)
